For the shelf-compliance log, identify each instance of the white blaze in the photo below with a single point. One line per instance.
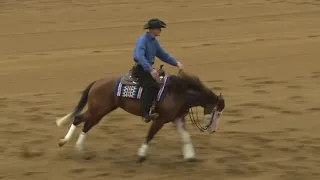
(215, 121)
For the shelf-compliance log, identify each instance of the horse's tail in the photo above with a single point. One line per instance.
(83, 100)
(81, 104)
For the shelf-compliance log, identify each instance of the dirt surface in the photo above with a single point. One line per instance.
(263, 55)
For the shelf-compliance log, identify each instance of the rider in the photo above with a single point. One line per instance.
(147, 48)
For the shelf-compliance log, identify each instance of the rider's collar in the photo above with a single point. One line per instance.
(150, 36)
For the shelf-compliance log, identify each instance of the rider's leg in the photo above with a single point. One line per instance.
(148, 98)
(150, 90)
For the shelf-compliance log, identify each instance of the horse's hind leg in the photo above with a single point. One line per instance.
(90, 121)
(77, 120)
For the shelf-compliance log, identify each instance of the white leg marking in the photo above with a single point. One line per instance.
(187, 148)
(68, 136)
(143, 150)
(65, 119)
(80, 141)
(70, 132)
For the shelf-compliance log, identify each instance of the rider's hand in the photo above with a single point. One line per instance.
(154, 74)
(180, 66)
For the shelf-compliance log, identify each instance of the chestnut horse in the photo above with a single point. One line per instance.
(178, 94)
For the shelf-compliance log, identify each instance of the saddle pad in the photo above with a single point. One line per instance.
(135, 92)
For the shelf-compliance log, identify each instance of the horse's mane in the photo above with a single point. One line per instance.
(182, 82)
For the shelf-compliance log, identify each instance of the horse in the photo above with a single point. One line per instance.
(178, 93)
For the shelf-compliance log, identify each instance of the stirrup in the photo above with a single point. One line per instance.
(153, 107)
(150, 117)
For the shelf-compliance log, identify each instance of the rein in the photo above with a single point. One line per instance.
(196, 122)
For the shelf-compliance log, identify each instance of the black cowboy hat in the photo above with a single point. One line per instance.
(154, 23)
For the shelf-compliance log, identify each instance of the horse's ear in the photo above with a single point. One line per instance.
(161, 66)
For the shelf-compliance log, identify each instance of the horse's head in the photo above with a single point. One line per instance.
(197, 94)
(212, 113)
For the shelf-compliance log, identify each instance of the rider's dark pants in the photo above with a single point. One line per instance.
(150, 89)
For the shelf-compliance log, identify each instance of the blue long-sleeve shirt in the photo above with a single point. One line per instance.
(147, 48)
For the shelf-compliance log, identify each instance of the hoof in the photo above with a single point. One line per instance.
(79, 149)
(141, 159)
(192, 160)
(62, 142)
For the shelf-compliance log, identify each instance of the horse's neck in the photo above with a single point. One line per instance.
(194, 98)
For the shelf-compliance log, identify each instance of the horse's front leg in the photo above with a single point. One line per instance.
(187, 147)
(155, 127)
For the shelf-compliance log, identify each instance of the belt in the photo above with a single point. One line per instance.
(135, 64)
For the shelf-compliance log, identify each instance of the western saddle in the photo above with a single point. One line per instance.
(131, 80)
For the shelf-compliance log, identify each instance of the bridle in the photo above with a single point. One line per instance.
(213, 112)
(197, 123)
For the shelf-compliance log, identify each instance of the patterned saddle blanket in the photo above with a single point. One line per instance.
(127, 86)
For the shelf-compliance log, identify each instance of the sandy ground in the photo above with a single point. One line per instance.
(263, 55)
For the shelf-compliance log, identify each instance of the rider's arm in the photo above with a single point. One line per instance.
(139, 55)
(164, 56)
